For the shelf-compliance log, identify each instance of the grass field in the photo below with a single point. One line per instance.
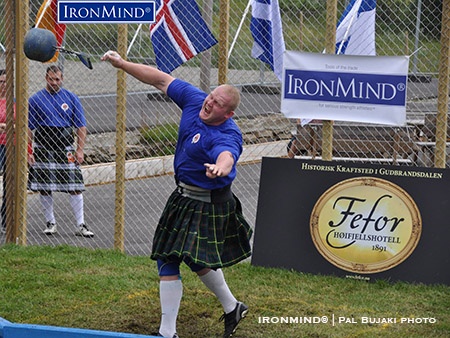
(107, 290)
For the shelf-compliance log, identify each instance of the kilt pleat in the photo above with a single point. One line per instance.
(53, 171)
(212, 235)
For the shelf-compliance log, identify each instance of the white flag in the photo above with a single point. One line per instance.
(355, 32)
(267, 32)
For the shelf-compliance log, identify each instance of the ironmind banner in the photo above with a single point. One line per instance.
(356, 220)
(355, 88)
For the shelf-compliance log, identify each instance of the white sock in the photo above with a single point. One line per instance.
(170, 293)
(76, 201)
(215, 281)
(47, 207)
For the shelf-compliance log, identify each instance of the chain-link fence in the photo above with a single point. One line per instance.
(126, 215)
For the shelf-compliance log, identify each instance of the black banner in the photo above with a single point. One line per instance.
(354, 220)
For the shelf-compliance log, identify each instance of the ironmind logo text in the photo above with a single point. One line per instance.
(345, 87)
(106, 11)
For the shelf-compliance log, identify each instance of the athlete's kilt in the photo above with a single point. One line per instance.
(212, 235)
(55, 170)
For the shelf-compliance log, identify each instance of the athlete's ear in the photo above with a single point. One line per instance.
(229, 114)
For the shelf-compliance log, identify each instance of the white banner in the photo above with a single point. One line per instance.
(356, 88)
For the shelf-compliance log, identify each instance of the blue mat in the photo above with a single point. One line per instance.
(12, 330)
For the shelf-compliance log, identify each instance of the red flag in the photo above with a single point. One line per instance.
(47, 19)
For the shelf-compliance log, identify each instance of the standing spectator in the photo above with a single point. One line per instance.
(3, 142)
(54, 113)
(292, 149)
(202, 223)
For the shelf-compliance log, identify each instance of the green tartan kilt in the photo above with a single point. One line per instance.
(213, 235)
(55, 170)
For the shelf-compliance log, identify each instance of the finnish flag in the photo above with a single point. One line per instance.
(266, 29)
(355, 32)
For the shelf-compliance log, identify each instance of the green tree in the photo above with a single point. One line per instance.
(432, 18)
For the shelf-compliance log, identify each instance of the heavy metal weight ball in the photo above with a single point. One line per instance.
(39, 44)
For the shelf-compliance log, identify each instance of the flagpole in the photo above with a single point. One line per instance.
(134, 38)
(240, 27)
(47, 5)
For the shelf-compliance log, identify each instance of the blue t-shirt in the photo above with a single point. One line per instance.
(199, 143)
(61, 109)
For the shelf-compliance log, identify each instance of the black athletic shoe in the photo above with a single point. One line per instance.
(233, 318)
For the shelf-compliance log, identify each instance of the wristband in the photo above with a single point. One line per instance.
(30, 149)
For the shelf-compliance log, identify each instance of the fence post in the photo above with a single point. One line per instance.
(443, 88)
(21, 125)
(223, 40)
(327, 127)
(8, 175)
(205, 66)
(119, 215)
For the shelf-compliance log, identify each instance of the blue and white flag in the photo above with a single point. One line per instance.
(267, 32)
(179, 33)
(355, 32)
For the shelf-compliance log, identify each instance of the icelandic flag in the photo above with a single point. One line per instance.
(355, 32)
(179, 33)
(267, 32)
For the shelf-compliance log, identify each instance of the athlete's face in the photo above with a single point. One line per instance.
(54, 81)
(216, 107)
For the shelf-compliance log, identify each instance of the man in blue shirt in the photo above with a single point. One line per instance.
(202, 223)
(54, 113)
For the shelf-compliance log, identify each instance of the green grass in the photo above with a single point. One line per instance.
(108, 290)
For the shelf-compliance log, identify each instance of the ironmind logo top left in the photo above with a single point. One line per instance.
(106, 11)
